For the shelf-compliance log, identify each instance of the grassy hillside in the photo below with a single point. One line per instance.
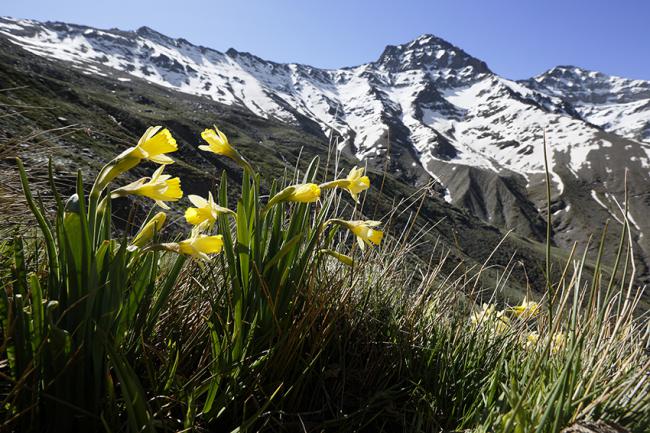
(289, 313)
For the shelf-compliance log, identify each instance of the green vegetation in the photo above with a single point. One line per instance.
(292, 313)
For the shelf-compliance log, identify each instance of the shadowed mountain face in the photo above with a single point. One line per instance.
(425, 110)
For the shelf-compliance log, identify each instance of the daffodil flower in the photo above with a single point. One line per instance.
(346, 260)
(159, 187)
(502, 322)
(153, 146)
(305, 193)
(302, 193)
(531, 340)
(558, 342)
(355, 183)
(488, 317)
(365, 232)
(197, 245)
(485, 313)
(146, 234)
(205, 210)
(526, 310)
(219, 145)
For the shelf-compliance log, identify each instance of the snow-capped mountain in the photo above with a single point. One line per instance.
(428, 108)
(618, 105)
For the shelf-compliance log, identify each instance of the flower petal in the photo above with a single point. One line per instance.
(197, 201)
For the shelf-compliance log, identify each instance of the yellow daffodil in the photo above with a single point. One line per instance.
(531, 340)
(355, 183)
(159, 187)
(358, 182)
(153, 146)
(202, 245)
(146, 234)
(346, 260)
(197, 245)
(484, 314)
(305, 193)
(205, 210)
(302, 193)
(488, 317)
(558, 342)
(365, 232)
(526, 310)
(218, 144)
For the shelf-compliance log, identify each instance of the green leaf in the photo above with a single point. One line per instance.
(139, 416)
(42, 223)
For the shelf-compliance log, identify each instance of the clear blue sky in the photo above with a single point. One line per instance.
(517, 38)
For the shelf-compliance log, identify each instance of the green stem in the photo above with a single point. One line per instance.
(549, 285)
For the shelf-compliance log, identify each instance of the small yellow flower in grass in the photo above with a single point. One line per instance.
(526, 310)
(363, 230)
(358, 182)
(531, 340)
(205, 210)
(217, 143)
(488, 317)
(486, 312)
(159, 187)
(146, 234)
(302, 193)
(558, 342)
(355, 183)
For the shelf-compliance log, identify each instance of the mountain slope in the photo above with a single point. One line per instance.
(426, 110)
(618, 105)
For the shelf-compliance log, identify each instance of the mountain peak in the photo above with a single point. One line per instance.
(429, 52)
(154, 35)
(428, 39)
(571, 71)
(583, 86)
(146, 30)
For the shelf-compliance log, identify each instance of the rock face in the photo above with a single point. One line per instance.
(424, 110)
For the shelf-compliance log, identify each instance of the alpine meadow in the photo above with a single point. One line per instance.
(203, 241)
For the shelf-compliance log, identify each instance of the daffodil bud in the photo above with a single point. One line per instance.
(151, 228)
(197, 245)
(346, 260)
(302, 193)
(219, 145)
